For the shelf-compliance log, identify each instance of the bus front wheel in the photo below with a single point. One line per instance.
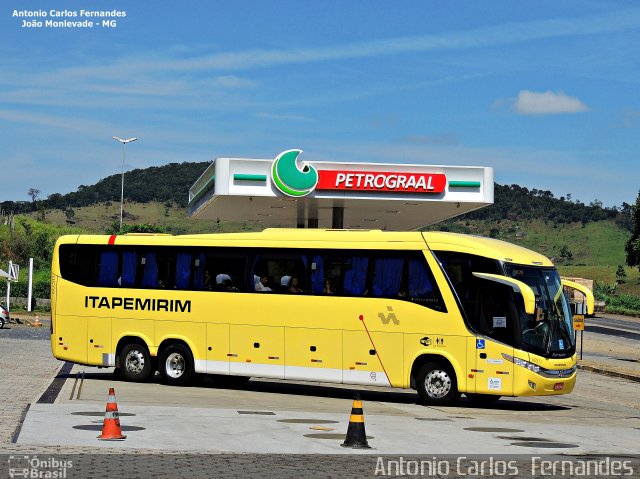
(176, 364)
(134, 362)
(436, 384)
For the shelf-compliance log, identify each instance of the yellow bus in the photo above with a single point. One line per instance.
(442, 313)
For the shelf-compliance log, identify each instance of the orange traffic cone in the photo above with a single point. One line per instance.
(356, 436)
(37, 323)
(111, 426)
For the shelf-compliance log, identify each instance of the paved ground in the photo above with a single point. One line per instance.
(602, 416)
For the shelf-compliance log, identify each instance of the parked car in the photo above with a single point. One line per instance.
(4, 316)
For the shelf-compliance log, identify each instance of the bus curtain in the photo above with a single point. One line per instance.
(183, 270)
(419, 283)
(355, 279)
(198, 272)
(387, 277)
(317, 275)
(150, 274)
(108, 273)
(129, 265)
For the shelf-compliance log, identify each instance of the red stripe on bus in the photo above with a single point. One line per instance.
(112, 239)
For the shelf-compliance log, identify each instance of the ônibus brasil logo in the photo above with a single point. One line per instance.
(291, 179)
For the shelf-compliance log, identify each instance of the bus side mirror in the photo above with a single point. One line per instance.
(584, 290)
(519, 287)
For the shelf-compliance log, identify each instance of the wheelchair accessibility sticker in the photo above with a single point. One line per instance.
(479, 343)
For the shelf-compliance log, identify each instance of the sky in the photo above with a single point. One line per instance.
(545, 92)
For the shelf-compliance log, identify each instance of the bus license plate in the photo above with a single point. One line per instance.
(558, 386)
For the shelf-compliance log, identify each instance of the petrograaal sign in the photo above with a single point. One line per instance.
(391, 181)
(300, 179)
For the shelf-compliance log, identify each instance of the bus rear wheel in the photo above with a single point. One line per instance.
(175, 364)
(134, 362)
(436, 384)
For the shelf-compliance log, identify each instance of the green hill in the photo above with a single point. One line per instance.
(583, 240)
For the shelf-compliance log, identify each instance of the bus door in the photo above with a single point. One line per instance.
(496, 324)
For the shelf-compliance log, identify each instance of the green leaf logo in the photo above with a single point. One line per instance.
(291, 179)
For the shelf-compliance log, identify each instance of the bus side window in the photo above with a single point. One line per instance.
(79, 263)
(421, 286)
(226, 270)
(282, 269)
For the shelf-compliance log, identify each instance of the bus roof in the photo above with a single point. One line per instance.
(487, 247)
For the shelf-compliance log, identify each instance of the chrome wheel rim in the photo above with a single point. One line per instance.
(174, 366)
(134, 362)
(437, 384)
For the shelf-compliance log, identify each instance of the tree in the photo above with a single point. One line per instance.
(69, 213)
(566, 253)
(115, 229)
(620, 274)
(34, 193)
(632, 247)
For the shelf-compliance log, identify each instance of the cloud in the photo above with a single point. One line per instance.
(547, 103)
(125, 68)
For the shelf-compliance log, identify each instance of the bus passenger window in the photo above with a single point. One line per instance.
(224, 270)
(281, 269)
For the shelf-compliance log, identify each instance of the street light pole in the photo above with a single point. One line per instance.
(124, 142)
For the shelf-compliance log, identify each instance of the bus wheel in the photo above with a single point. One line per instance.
(135, 362)
(482, 399)
(436, 384)
(175, 364)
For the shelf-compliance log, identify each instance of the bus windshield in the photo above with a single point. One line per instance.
(549, 332)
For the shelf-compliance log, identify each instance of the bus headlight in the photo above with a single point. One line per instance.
(547, 373)
(522, 363)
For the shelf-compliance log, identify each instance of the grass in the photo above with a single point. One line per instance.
(98, 218)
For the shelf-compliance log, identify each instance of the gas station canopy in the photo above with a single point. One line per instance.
(288, 192)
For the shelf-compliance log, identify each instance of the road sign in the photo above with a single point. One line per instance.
(578, 322)
(14, 272)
